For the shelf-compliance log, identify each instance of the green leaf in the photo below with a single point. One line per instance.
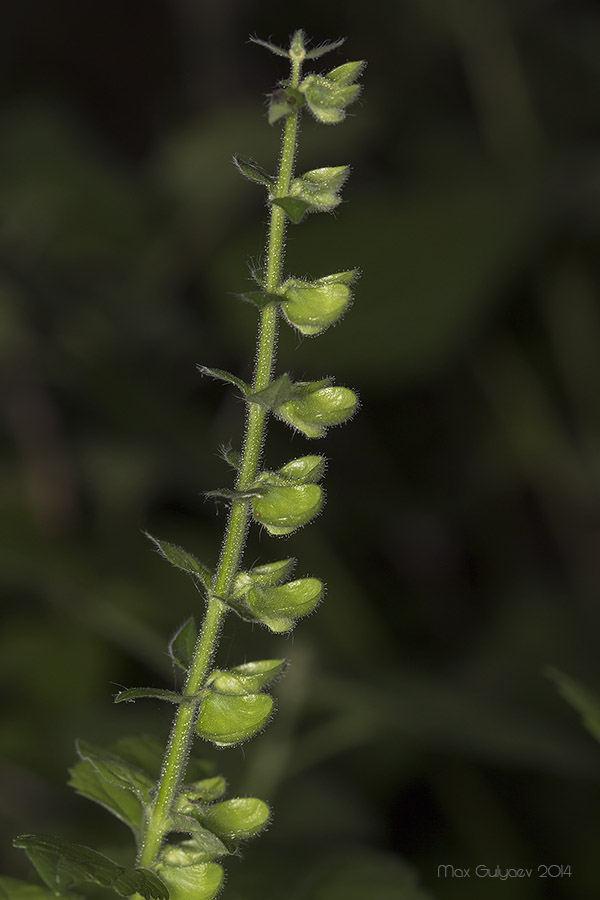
(584, 701)
(203, 791)
(131, 694)
(254, 172)
(278, 607)
(141, 751)
(305, 469)
(226, 719)
(183, 644)
(312, 306)
(183, 560)
(316, 412)
(284, 101)
(201, 881)
(237, 819)
(13, 889)
(87, 780)
(283, 509)
(116, 770)
(63, 864)
(247, 678)
(222, 375)
(294, 207)
(232, 495)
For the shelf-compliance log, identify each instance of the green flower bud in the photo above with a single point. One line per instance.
(284, 508)
(229, 719)
(312, 306)
(278, 607)
(313, 413)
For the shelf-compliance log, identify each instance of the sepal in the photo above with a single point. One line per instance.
(267, 574)
(312, 306)
(253, 172)
(315, 191)
(279, 607)
(248, 678)
(237, 819)
(316, 411)
(185, 877)
(206, 790)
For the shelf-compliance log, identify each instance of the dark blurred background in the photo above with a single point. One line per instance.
(461, 537)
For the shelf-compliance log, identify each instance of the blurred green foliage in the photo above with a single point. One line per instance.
(460, 539)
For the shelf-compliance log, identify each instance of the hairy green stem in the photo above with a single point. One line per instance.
(182, 734)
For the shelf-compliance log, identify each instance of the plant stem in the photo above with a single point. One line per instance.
(182, 733)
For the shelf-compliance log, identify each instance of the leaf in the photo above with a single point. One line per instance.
(183, 560)
(278, 607)
(141, 751)
(222, 375)
(63, 864)
(226, 719)
(283, 509)
(260, 299)
(305, 469)
(312, 306)
(131, 694)
(237, 819)
(295, 207)
(584, 701)
(322, 49)
(316, 412)
(87, 780)
(247, 678)
(233, 495)
(283, 102)
(201, 881)
(183, 644)
(117, 771)
(13, 889)
(254, 172)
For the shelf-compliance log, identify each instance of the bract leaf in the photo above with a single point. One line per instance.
(232, 495)
(295, 207)
(285, 508)
(131, 694)
(13, 889)
(238, 818)
(278, 51)
(183, 644)
(63, 864)
(226, 719)
(277, 392)
(222, 375)
(316, 412)
(312, 306)
(260, 299)
(183, 560)
(278, 607)
(247, 678)
(284, 101)
(254, 172)
(305, 469)
(116, 770)
(201, 881)
(322, 49)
